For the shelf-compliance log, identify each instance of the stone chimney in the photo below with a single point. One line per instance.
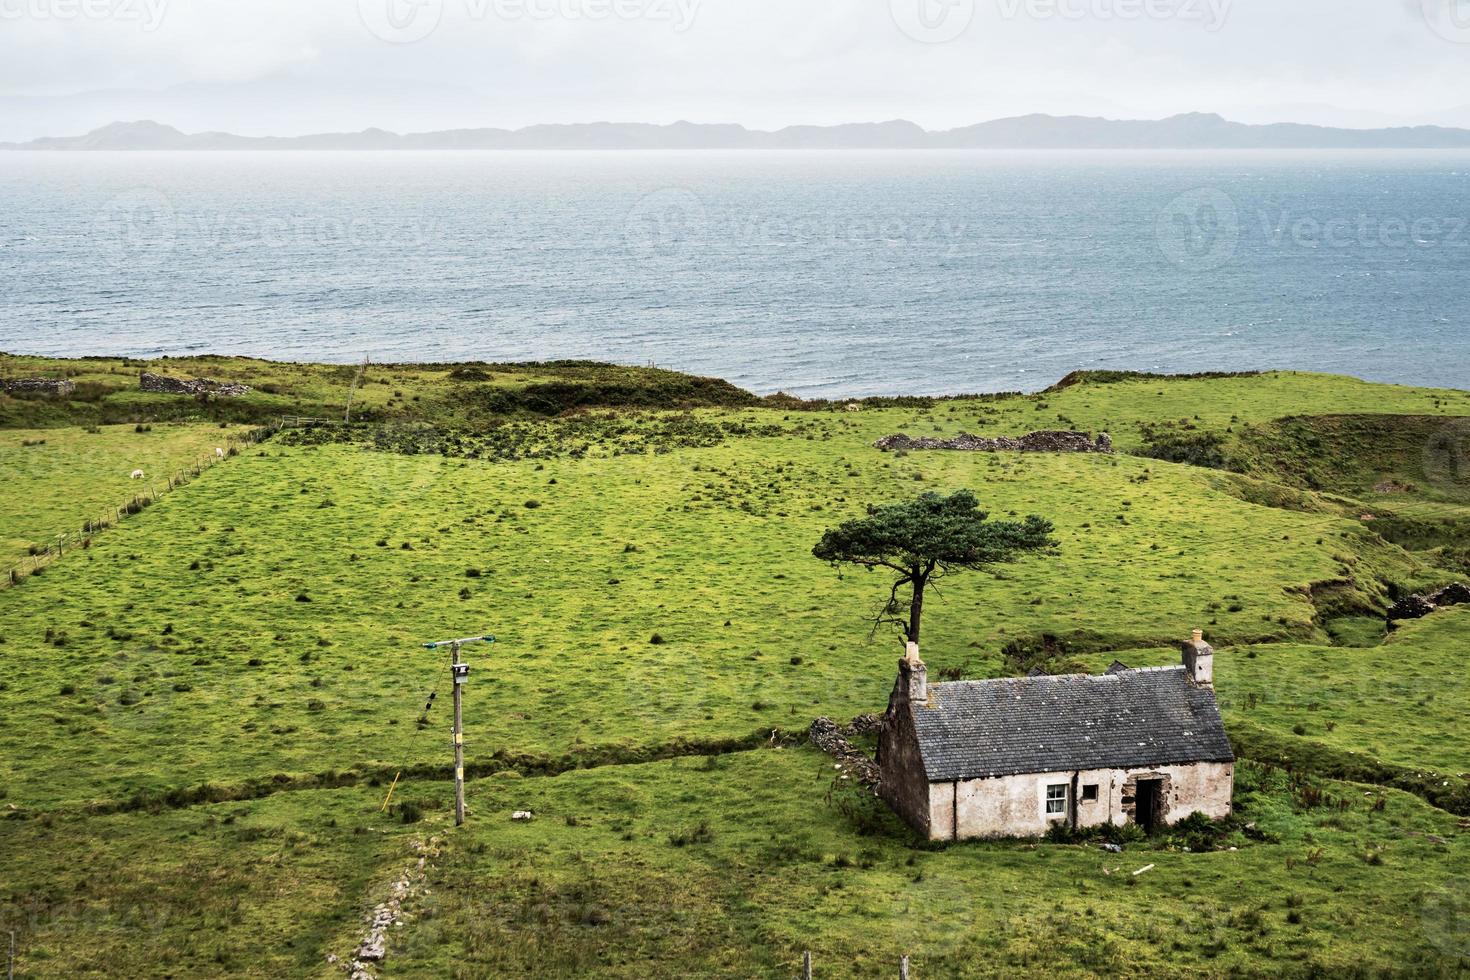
(1199, 660)
(913, 676)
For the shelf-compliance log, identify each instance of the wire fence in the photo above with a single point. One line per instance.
(150, 492)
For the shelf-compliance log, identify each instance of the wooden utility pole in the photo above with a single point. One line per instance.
(461, 673)
(347, 416)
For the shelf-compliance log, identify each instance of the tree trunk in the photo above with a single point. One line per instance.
(916, 605)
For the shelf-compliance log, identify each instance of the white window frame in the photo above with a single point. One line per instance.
(1062, 801)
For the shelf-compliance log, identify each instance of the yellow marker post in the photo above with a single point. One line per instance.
(389, 799)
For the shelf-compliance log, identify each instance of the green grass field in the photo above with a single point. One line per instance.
(206, 704)
(58, 478)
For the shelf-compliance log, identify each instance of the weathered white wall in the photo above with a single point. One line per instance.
(1014, 806)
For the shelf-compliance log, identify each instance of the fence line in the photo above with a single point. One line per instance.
(81, 538)
(807, 974)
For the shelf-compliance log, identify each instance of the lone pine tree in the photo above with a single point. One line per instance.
(924, 539)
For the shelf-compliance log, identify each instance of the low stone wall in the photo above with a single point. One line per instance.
(1032, 442)
(1419, 606)
(164, 385)
(59, 387)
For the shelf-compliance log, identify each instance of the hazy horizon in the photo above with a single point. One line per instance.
(293, 68)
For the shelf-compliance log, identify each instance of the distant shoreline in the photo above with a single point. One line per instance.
(1191, 131)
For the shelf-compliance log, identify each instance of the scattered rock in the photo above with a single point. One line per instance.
(58, 387)
(1032, 442)
(1419, 606)
(826, 736)
(1411, 607)
(162, 384)
(1452, 595)
(373, 948)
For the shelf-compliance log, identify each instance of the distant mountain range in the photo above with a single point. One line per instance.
(1204, 131)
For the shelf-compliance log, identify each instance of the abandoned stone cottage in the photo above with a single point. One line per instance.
(1009, 758)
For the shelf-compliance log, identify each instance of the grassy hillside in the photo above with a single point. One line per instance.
(229, 679)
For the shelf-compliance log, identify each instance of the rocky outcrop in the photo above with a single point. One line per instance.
(1032, 442)
(1452, 595)
(58, 387)
(164, 385)
(1419, 606)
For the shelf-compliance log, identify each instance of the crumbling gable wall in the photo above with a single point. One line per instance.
(904, 787)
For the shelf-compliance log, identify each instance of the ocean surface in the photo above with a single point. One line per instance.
(817, 273)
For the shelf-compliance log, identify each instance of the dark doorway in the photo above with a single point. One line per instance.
(1150, 806)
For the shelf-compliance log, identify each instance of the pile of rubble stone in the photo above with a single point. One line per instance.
(832, 740)
(1032, 442)
(164, 385)
(1419, 606)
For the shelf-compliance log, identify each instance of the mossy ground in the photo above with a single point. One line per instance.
(255, 635)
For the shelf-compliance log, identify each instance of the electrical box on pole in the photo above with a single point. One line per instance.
(460, 671)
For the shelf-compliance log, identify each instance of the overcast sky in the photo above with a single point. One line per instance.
(292, 66)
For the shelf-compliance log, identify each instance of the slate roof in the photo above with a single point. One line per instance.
(1125, 719)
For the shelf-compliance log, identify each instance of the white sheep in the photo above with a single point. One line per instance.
(137, 475)
(219, 453)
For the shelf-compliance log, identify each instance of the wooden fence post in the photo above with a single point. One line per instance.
(806, 965)
(903, 968)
